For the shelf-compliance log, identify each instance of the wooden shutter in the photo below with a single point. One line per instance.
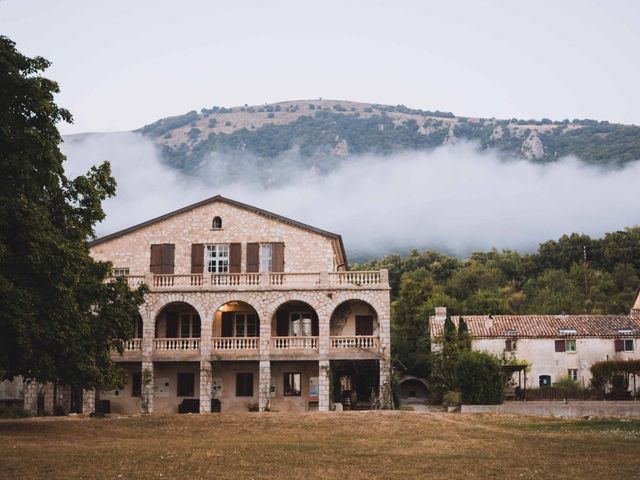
(315, 325)
(172, 325)
(197, 258)
(508, 345)
(364, 325)
(282, 326)
(277, 257)
(156, 258)
(618, 345)
(560, 346)
(253, 257)
(168, 257)
(227, 324)
(235, 257)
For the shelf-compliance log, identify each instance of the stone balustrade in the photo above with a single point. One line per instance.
(355, 342)
(294, 343)
(133, 345)
(176, 344)
(224, 281)
(236, 343)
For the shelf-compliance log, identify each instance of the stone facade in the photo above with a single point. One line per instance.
(314, 284)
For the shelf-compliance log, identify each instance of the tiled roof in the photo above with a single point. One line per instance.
(545, 326)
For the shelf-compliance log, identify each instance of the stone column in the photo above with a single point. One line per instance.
(264, 385)
(206, 383)
(147, 387)
(385, 394)
(324, 385)
(31, 388)
(88, 402)
(49, 400)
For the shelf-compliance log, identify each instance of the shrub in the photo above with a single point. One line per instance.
(481, 379)
(13, 411)
(59, 411)
(567, 383)
(452, 398)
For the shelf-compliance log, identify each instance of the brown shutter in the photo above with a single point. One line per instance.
(315, 326)
(282, 327)
(560, 346)
(227, 324)
(168, 257)
(235, 257)
(277, 257)
(197, 258)
(618, 345)
(253, 257)
(508, 346)
(172, 325)
(364, 325)
(156, 258)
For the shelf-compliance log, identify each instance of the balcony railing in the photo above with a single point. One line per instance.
(176, 344)
(133, 345)
(357, 342)
(266, 279)
(294, 343)
(236, 343)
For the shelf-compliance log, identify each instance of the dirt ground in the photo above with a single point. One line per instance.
(348, 445)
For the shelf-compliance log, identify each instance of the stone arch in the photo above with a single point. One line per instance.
(413, 389)
(235, 318)
(352, 317)
(295, 318)
(178, 319)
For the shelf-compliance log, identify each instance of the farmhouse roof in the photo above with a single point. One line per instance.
(220, 198)
(545, 326)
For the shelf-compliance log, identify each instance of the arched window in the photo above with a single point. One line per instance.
(217, 223)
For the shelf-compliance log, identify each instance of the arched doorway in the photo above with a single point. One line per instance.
(177, 327)
(236, 319)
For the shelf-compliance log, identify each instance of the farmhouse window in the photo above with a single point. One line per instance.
(162, 258)
(573, 374)
(510, 345)
(136, 384)
(244, 384)
(364, 325)
(266, 258)
(186, 382)
(292, 384)
(300, 324)
(120, 272)
(189, 325)
(568, 345)
(217, 258)
(623, 345)
(216, 224)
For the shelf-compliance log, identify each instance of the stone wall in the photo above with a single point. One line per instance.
(560, 409)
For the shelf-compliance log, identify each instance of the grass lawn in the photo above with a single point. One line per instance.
(345, 446)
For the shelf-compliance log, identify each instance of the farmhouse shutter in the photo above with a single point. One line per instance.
(235, 257)
(277, 257)
(227, 324)
(364, 325)
(156, 259)
(560, 346)
(282, 326)
(618, 345)
(508, 345)
(172, 325)
(168, 257)
(253, 257)
(315, 325)
(197, 258)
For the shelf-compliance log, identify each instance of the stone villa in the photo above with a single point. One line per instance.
(247, 310)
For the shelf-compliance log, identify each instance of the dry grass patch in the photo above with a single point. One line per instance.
(315, 445)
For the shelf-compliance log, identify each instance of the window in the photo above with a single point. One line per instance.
(628, 345)
(364, 325)
(266, 259)
(246, 325)
(136, 384)
(137, 327)
(217, 223)
(217, 258)
(570, 345)
(120, 272)
(544, 380)
(244, 384)
(573, 374)
(510, 345)
(300, 324)
(292, 385)
(185, 384)
(189, 325)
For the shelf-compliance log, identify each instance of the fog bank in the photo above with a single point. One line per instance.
(455, 198)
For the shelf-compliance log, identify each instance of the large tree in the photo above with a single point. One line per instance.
(59, 318)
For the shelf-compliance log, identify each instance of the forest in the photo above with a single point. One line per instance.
(575, 274)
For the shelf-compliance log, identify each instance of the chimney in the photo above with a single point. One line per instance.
(441, 314)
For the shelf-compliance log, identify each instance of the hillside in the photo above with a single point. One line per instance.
(321, 129)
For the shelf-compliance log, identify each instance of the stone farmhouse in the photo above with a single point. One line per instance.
(247, 310)
(555, 346)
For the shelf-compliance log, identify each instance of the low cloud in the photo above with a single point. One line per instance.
(454, 198)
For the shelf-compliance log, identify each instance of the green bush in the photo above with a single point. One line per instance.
(481, 379)
(452, 399)
(13, 411)
(567, 383)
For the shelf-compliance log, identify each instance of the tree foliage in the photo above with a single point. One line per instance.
(480, 378)
(58, 317)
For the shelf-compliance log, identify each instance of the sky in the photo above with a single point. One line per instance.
(123, 64)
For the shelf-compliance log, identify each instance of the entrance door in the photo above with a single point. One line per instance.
(75, 402)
